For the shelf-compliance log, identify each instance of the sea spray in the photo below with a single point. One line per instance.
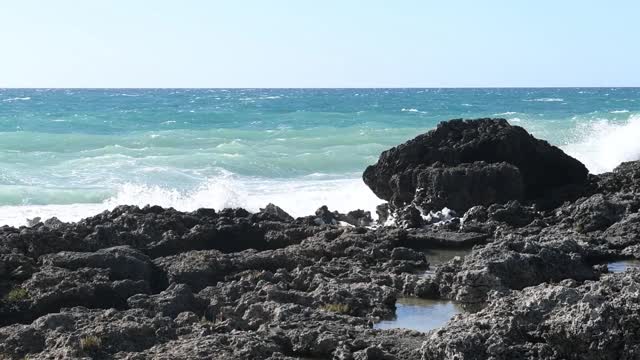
(602, 145)
(299, 197)
(75, 153)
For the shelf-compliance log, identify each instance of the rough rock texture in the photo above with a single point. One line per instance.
(463, 186)
(155, 283)
(152, 283)
(595, 320)
(543, 168)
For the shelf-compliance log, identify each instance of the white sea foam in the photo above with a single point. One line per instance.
(17, 99)
(545, 100)
(409, 110)
(299, 197)
(506, 113)
(602, 145)
(620, 111)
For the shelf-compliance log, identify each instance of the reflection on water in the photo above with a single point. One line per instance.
(420, 314)
(620, 266)
(441, 256)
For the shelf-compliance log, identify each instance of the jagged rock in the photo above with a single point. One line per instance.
(408, 217)
(357, 218)
(325, 217)
(53, 288)
(624, 178)
(543, 168)
(354, 218)
(513, 263)
(424, 239)
(596, 320)
(123, 262)
(511, 213)
(154, 283)
(54, 223)
(383, 213)
(276, 212)
(177, 298)
(462, 186)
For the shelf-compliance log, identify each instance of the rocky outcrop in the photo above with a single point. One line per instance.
(463, 186)
(154, 283)
(595, 320)
(454, 156)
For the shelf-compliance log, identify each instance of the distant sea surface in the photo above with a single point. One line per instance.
(74, 153)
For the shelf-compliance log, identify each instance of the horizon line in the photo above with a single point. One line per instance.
(317, 88)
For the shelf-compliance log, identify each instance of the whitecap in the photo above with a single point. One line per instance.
(619, 111)
(545, 100)
(224, 190)
(410, 110)
(17, 99)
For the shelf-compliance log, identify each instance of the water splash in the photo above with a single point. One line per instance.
(602, 145)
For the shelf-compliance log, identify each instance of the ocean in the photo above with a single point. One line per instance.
(73, 153)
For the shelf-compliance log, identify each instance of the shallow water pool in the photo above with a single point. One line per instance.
(441, 256)
(623, 265)
(420, 314)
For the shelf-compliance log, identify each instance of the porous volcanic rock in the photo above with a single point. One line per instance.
(543, 168)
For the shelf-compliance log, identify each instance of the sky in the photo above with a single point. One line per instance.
(328, 43)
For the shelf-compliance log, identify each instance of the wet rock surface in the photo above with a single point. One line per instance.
(154, 283)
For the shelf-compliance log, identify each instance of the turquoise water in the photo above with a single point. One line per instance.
(71, 153)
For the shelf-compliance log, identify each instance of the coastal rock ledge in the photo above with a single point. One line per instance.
(532, 281)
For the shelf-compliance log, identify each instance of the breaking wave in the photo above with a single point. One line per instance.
(602, 145)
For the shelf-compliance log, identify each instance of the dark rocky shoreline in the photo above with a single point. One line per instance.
(154, 283)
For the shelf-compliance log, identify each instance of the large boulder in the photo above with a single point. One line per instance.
(544, 169)
(463, 186)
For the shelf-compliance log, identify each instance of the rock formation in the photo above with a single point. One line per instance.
(451, 164)
(154, 283)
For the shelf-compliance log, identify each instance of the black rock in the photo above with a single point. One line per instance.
(543, 168)
(463, 186)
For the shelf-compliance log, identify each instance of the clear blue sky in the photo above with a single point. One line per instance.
(328, 43)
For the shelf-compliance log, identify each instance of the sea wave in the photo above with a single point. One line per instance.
(545, 100)
(603, 144)
(26, 98)
(299, 197)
